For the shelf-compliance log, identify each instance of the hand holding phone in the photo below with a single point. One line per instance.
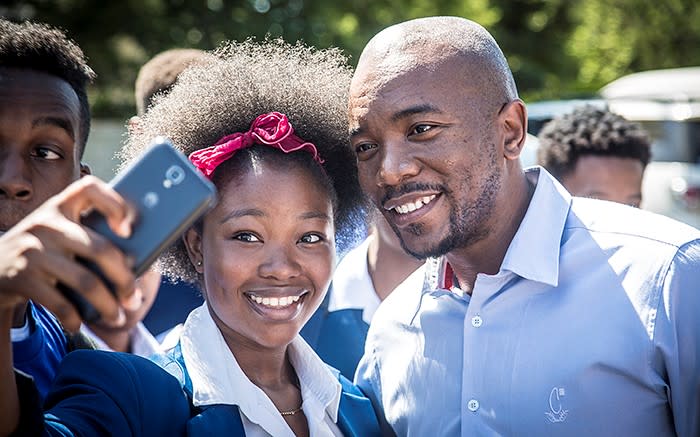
(169, 195)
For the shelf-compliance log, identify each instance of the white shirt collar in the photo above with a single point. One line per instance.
(143, 343)
(352, 284)
(218, 379)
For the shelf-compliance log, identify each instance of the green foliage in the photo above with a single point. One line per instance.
(556, 48)
(614, 38)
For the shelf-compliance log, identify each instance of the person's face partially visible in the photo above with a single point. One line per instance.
(39, 129)
(267, 252)
(607, 178)
(427, 155)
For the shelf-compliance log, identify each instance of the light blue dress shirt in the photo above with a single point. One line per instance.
(591, 327)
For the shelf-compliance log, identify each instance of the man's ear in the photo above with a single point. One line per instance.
(132, 125)
(513, 118)
(85, 169)
(193, 244)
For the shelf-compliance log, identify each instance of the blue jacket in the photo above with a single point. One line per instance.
(111, 393)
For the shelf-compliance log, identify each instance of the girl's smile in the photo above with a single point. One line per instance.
(278, 304)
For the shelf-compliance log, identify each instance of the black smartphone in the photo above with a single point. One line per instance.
(169, 195)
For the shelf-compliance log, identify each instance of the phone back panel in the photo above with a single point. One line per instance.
(169, 194)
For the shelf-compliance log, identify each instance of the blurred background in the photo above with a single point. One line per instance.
(559, 50)
(556, 48)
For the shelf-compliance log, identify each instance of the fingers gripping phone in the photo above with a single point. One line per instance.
(169, 195)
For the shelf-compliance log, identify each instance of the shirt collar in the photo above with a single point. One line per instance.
(143, 343)
(534, 251)
(218, 379)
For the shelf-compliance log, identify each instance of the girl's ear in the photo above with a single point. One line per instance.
(193, 243)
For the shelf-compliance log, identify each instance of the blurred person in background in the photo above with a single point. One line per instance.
(132, 336)
(595, 153)
(159, 74)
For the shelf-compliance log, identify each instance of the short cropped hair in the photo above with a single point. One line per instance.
(37, 46)
(160, 73)
(243, 81)
(585, 131)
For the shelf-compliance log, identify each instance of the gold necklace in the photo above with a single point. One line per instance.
(295, 381)
(292, 412)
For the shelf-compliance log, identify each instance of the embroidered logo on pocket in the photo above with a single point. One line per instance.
(556, 413)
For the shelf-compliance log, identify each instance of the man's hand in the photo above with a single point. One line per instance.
(40, 251)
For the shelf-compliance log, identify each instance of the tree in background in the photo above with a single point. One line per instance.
(556, 48)
(613, 38)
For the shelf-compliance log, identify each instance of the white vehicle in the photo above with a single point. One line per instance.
(667, 104)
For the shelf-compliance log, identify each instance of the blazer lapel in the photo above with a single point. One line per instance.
(356, 417)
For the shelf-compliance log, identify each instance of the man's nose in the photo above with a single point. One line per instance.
(398, 164)
(15, 179)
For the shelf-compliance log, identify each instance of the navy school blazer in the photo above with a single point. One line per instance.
(111, 393)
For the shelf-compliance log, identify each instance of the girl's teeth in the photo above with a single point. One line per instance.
(274, 301)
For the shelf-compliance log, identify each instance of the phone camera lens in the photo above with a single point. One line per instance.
(175, 174)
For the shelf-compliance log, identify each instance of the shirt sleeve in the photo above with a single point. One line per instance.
(678, 337)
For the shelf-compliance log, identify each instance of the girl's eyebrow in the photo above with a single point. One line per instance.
(314, 215)
(237, 213)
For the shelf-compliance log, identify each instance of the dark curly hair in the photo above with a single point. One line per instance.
(37, 46)
(588, 130)
(240, 82)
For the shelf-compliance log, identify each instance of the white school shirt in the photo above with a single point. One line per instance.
(218, 379)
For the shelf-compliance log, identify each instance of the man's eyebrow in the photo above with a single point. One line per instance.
(413, 110)
(404, 113)
(238, 213)
(59, 122)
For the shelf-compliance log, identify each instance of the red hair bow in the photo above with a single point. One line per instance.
(272, 129)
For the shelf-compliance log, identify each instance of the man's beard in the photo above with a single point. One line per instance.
(467, 224)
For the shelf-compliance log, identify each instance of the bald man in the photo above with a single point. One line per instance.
(540, 314)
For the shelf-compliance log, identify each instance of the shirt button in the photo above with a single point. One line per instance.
(476, 321)
(473, 405)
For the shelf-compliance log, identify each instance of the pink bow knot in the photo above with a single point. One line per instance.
(272, 129)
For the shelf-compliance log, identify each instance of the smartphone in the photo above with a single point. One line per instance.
(169, 195)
